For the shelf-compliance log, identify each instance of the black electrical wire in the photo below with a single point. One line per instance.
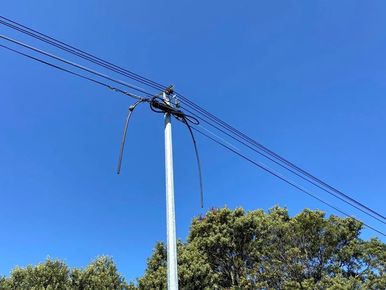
(73, 73)
(65, 46)
(139, 78)
(192, 105)
(129, 114)
(80, 53)
(276, 162)
(159, 105)
(276, 174)
(178, 116)
(198, 161)
(153, 104)
(226, 126)
(19, 43)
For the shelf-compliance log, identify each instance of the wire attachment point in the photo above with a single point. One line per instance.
(159, 105)
(130, 112)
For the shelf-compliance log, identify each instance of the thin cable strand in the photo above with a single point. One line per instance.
(198, 162)
(271, 153)
(281, 177)
(73, 73)
(74, 64)
(289, 169)
(80, 53)
(195, 107)
(123, 140)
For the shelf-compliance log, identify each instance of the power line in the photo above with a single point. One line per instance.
(234, 133)
(72, 73)
(289, 169)
(80, 53)
(186, 119)
(192, 105)
(234, 149)
(287, 165)
(19, 43)
(281, 177)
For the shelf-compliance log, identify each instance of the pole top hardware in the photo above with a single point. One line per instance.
(169, 90)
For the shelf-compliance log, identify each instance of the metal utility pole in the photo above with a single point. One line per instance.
(170, 210)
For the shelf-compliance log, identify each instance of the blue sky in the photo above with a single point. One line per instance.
(305, 78)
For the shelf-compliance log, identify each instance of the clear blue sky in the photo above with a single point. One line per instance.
(305, 78)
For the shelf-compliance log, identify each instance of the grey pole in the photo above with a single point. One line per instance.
(170, 211)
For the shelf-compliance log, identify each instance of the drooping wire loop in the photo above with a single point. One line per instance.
(159, 105)
(130, 112)
(202, 114)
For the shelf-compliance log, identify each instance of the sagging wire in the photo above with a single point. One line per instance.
(74, 64)
(263, 166)
(106, 85)
(198, 162)
(217, 123)
(130, 112)
(159, 105)
(78, 52)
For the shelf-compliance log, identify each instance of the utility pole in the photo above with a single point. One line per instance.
(170, 210)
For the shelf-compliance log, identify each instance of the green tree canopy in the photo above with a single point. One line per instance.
(101, 274)
(234, 249)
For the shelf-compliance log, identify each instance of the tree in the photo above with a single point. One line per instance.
(234, 249)
(101, 274)
(51, 275)
(193, 269)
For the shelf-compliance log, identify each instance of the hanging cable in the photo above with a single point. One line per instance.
(289, 169)
(80, 53)
(279, 160)
(281, 177)
(159, 105)
(73, 73)
(198, 161)
(272, 156)
(74, 64)
(130, 112)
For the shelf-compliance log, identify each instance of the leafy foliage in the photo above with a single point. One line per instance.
(101, 274)
(234, 249)
(54, 275)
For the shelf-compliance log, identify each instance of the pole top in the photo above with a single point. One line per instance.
(169, 90)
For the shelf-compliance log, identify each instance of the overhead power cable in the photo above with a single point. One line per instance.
(281, 177)
(159, 105)
(156, 103)
(19, 43)
(234, 150)
(123, 140)
(278, 163)
(80, 53)
(72, 73)
(237, 135)
(278, 159)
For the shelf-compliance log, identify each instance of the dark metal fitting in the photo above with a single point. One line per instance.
(169, 90)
